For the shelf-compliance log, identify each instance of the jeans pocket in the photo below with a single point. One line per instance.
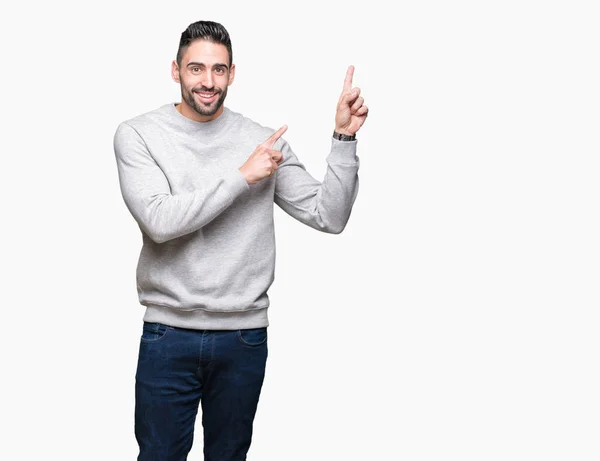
(152, 332)
(253, 337)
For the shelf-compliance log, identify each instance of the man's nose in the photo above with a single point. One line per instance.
(207, 81)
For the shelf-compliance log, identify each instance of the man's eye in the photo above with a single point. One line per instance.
(195, 69)
(220, 70)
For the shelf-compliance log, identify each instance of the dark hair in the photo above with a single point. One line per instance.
(204, 30)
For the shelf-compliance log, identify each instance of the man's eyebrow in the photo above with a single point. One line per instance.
(199, 64)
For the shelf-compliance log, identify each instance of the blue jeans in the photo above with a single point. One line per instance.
(178, 369)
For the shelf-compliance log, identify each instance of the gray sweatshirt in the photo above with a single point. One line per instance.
(208, 253)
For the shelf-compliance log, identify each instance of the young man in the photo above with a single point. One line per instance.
(201, 180)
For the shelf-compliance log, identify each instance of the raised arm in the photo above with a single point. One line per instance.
(326, 205)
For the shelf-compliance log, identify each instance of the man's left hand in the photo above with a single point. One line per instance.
(351, 110)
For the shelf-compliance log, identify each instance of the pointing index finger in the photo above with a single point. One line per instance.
(271, 140)
(348, 79)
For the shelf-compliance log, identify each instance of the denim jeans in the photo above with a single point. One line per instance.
(180, 369)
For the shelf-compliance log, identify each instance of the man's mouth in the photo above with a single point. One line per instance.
(206, 96)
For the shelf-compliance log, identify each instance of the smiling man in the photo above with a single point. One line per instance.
(203, 84)
(201, 181)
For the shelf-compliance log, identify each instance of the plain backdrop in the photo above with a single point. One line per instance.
(455, 318)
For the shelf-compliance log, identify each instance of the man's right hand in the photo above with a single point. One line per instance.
(264, 160)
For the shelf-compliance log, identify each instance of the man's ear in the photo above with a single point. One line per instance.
(175, 71)
(231, 74)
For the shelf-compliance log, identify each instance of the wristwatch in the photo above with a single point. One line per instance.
(344, 137)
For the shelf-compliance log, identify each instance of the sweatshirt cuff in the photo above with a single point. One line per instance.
(236, 183)
(343, 152)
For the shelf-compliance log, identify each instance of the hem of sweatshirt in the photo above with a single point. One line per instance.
(200, 319)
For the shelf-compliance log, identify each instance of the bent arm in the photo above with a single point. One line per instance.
(323, 206)
(146, 192)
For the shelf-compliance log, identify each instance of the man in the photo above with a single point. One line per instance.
(201, 180)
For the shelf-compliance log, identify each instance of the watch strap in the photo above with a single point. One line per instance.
(344, 137)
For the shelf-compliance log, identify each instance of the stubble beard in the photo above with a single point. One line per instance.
(204, 109)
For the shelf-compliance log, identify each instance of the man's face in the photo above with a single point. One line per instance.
(204, 76)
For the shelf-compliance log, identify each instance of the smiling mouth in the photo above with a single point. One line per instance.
(206, 96)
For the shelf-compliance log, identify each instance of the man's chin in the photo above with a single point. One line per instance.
(207, 111)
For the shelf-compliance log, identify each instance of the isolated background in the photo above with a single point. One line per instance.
(456, 317)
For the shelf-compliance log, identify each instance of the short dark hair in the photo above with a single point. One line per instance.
(204, 30)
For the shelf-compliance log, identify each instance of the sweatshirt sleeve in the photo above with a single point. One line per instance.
(323, 206)
(146, 192)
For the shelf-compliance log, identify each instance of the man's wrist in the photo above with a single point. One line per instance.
(343, 136)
